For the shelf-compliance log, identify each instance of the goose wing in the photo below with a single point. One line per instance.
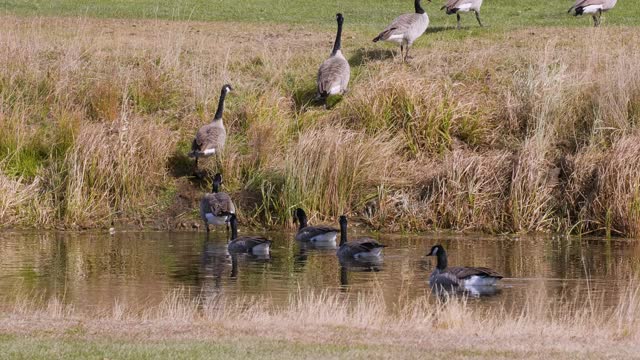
(584, 3)
(362, 245)
(334, 71)
(466, 272)
(365, 244)
(309, 232)
(252, 241)
(446, 279)
(399, 26)
(452, 4)
(246, 243)
(218, 204)
(209, 137)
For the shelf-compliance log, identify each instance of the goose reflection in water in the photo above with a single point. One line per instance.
(345, 268)
(214, 261)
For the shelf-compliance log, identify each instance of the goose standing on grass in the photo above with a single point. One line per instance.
(210, 138)
(334, 73)
(458, 6)
(216, 207)
(254, 245)
(405, 29)
(594, 7)
(364, 250)
(314, 234)
(454, 277)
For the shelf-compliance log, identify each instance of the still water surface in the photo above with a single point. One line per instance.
(94, 270)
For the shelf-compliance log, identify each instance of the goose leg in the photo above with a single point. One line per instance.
(206, 225)
(478, 18)
(402, 51)
(599, 17)
(458, 26)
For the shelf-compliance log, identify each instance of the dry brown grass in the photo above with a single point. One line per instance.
(576, 327)
(494, 133)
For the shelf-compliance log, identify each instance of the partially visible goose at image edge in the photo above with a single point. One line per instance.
(458, 6)
(594, 7)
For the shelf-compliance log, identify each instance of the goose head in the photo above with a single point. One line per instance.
(441, 255)
(436, 250)
(227, 88)
(339, 18)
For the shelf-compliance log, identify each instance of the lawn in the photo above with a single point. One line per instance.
(498, 14)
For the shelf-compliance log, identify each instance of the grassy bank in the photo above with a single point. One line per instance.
(514, 130)
(326, 326)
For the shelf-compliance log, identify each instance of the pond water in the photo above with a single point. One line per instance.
(94, 269)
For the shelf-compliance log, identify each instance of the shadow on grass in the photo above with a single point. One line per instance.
(362, 56)
(180, 165)
(437, 29)
(304, 98)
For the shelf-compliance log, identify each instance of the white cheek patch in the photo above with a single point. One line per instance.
(209, 152)
(435, 251)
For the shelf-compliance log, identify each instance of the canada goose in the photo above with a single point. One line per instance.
(334, 73)
(595, 7)
(405, 29)
(362, 249)
(458, 6)
(255, 245)
(315, 234)
(216, 207)
(210, 138)
(452, 277)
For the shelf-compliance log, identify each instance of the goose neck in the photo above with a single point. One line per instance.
(418, 6)
(442, 260)
(234, 228)
(338, 43)
(220, 110)
(343, 233)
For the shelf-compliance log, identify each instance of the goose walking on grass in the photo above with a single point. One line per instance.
(210, 138)
(458, 6)
(363, 250)
(594, 7)
(254, 245)
(319, 235)
(405, 29)
(334, 73)
(447, 277)
(216, 207)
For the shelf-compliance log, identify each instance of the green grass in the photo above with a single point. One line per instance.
(243, 347)
(374, 13)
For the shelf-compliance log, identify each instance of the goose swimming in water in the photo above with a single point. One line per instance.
(453, 277)
(254, 245)
(320, 235)
(363, 250)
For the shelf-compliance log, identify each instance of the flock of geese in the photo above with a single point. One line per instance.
(217, 208)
